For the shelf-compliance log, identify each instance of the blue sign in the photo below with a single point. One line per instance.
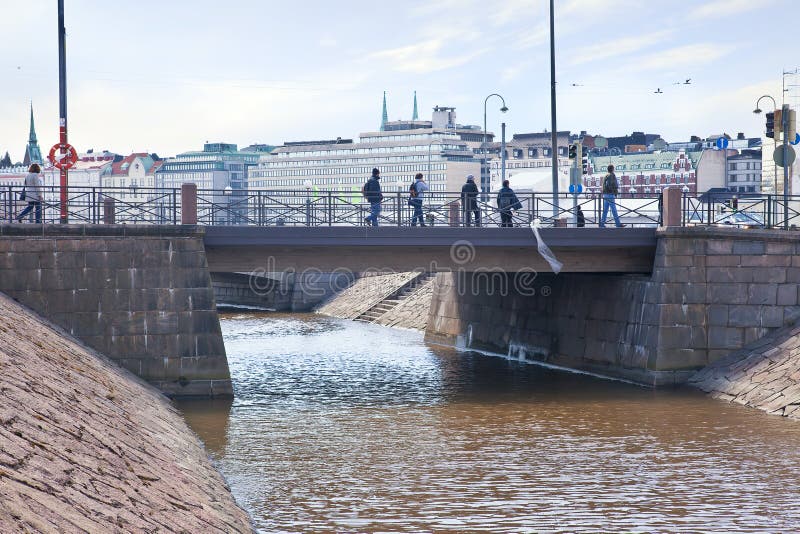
(796, 139)
(722, 143)
(575, 189)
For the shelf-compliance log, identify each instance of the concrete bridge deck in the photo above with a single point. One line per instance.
(245, 249)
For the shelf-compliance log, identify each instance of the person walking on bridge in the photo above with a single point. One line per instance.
(418, 189)
(372, 193)
(610, 192)
(469, 201)
(32, 192)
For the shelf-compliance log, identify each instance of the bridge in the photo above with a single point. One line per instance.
(134, 284)
(248, 249)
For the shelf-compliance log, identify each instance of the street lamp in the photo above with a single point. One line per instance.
(503, 109)
(784, 117)
(438, 142)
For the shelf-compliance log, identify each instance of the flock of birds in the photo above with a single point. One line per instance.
(688, 81)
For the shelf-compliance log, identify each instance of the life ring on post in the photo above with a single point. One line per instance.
(65, 160)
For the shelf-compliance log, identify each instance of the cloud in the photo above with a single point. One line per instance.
(672, 58)
(723, 8)
(422, 57)
(618, 47)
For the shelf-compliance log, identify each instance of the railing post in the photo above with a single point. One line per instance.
(109, 211)
(532, 214)
(672, 206)
(189, 203)
(330, 207)
(10, 203)
(769, 211)
(397, 208)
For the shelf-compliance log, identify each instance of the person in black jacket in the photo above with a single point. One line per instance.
(372, 193)
(469, 201)
(506, 201)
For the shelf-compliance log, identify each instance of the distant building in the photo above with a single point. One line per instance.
(645, 173)
(529, 162)
(744, 172)
(217, 166)
(220, 173)
(440, 148)
(33, 153)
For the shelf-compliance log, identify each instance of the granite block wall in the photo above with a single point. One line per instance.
(712, 290)
(140, 295)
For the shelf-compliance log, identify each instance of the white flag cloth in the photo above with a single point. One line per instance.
(544, 250)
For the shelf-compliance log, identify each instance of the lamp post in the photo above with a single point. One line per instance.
(784, 120)
(483, 145)
(554, 133)
(433, 142)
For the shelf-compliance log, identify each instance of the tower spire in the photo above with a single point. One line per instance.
(33, 153)
(32, 134)
(385, 117)
(415, 115)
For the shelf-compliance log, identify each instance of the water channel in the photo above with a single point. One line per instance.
(347, 427)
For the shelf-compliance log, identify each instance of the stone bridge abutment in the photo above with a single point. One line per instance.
(712, 291)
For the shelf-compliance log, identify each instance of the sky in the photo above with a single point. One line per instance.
(167, 76)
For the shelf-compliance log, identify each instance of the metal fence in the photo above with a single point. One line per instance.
(349, 208)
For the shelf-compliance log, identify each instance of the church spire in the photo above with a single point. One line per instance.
(32, 134)
(33, 154)
(415, 115)
(385, 117)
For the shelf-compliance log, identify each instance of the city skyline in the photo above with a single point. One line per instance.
(297, 76)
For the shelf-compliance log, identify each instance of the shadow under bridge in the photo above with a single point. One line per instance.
(246, 249)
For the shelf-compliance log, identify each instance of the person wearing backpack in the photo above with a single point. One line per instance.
(469, 201)
(610, 192)
(372, 194)
(506, 201)
(416, 197)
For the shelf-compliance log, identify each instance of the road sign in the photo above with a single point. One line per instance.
(575, 188)
(781, 159)
(722, 143)
(66, 157)
(796, 139)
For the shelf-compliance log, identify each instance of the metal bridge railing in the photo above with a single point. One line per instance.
(98, 205)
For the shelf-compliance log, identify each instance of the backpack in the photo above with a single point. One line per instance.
(413, 190)
(609, 184)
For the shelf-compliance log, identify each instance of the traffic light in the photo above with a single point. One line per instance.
(792, 129)
(573, 151)
(585, 163)
(771, 124)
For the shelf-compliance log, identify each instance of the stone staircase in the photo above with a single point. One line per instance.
(376, 311)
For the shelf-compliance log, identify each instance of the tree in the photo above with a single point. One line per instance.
(6, 161)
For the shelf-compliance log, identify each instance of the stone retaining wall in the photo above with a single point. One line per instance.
(141, 295)
(86, 446)
(764, 375)
(712, 291)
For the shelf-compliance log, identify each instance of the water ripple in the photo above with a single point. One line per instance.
(345, 427)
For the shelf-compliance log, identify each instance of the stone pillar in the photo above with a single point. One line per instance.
(189, 204)
(109, 211)
(671, 207)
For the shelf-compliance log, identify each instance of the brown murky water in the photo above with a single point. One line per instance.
(345, 427)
